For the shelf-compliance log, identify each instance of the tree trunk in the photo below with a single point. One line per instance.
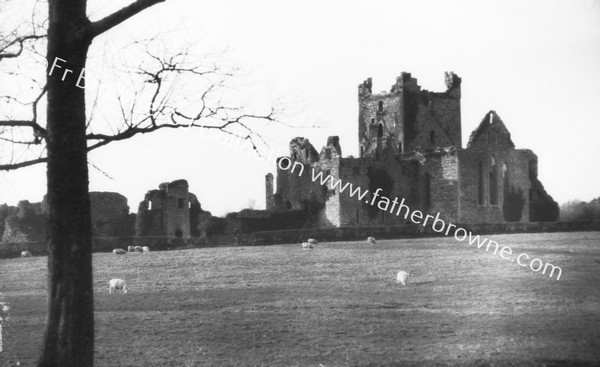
(69, 336)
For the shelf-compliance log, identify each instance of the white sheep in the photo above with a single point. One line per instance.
(130, 248)
(25, 254)
(306, 246)
(145, 249)
(115, 284)
(138, 249)
(371, 240)
(119, 251)
(402, 277)
(312, 241)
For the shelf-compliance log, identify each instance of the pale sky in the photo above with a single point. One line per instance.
(536, 63)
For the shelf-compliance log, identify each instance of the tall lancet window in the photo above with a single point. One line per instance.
(480, 184)
(493, 184)
(427, 190)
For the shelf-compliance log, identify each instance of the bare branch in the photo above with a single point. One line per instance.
(105, 139)
(16, 123)
(38, 131)
(20, 142)
(6, 54)
(13, 129)
(12, 166)
(160, 104)
(120, 16)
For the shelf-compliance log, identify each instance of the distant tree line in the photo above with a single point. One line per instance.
(576, 210)
(24, 223)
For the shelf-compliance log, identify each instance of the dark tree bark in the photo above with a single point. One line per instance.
(69, 336)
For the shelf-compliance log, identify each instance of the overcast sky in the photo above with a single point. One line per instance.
(536, 63)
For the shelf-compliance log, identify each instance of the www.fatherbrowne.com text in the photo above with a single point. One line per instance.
(399, 208)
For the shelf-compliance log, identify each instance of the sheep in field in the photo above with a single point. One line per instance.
(402, 277)
(145, 249)
(306, 246)
(138, 249)
(130, 249)
(115, 284)
(312, 241)
(371, 240)
(25, 254)
(119, 251)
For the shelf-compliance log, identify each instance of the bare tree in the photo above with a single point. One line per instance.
(67, 136)
(149, 105)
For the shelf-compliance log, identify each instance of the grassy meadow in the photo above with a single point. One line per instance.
(336, 305)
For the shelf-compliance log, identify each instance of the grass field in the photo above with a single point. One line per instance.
(337, 305)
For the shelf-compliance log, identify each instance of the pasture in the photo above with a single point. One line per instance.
(336, 305)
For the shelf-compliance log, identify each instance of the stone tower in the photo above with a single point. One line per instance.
(165, 212)
(270, 203)
(406, 117)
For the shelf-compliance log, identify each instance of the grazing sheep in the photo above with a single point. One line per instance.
(145, 249)
(138, 249)
(130, 248)
(306, 246)
(119, 251)
(25, 254)
(402, 277)
(115, 284)
(371, 240)
(312, 241)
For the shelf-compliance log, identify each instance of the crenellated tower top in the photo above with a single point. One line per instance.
(407, 117)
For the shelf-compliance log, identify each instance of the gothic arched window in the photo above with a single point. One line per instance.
(427, 190)
(493, 183)
(480, 184)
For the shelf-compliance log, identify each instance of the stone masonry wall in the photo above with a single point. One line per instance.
(110, 215)
(409, 117)
(389, 117)
(361, 173)
(438, 113)
(177, 213)
(495, 177)
(410, 143)
(331, 167)
(165, 212)
(270, 202)
(517, 163)
(441, 184)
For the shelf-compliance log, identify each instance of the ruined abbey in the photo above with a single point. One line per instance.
(170, 211)
(411, 147)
